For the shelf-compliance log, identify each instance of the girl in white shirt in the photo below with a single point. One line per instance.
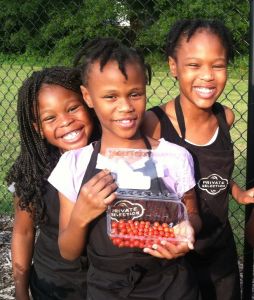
(114, 84)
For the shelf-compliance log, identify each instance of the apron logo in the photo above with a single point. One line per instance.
(213, 184)
(124, 209)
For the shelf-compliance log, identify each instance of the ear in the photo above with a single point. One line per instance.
(172, 66)
(86, 96)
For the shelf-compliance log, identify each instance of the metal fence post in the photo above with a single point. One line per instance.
(248, 251)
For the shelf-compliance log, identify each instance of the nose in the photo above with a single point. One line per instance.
(207, 74)
(65, 121)
(125, 105)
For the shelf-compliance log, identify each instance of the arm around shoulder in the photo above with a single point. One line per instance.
(151, 125)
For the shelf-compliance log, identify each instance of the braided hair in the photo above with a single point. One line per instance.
(37, 157)
(188, 27)
(108, 49)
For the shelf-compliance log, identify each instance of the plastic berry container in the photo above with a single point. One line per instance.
(146, 210)
(138, 219)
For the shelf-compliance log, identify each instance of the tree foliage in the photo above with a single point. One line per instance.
(59, 28)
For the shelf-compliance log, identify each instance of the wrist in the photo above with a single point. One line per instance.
(78, 221)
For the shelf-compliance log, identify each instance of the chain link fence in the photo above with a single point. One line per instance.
(38, 33)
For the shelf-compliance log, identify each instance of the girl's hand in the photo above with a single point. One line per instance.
(168, 250)
(92, 201)
(95, 196)
(185, 231)
(241, 196)
(245, 197)
(171, 250)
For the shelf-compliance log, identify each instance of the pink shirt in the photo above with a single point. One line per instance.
(174, 164)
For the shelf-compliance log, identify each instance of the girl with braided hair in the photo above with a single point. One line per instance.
(52, 118)
(114, 84)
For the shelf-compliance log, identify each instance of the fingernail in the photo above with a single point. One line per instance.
(145, 250)
(155, 247)
(190, 245)
(163, 242)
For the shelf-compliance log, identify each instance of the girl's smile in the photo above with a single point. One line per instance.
(200, 65)
(126, 123)
(72, 136)
(204, 92)
(119, 100)
(65, 122)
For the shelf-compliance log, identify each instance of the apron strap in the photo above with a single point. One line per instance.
(180, 117)
(147, 143)
(92, 164)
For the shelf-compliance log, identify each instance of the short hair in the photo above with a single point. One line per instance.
(109, 49)
(188, 27)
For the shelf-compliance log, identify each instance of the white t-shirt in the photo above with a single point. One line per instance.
(174, 164)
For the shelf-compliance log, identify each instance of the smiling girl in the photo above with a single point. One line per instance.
(198, 53)
(52, 118)
(114, 84)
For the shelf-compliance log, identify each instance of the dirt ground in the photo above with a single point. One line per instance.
(6, 282)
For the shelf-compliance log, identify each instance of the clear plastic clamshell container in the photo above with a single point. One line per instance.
(140, 217)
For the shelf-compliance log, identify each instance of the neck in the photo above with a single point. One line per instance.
(192, 112)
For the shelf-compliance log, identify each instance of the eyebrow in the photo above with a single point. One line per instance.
(218, 58)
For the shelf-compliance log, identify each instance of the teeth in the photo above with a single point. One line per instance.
(204, 90)
(71, 135)
(125, 121)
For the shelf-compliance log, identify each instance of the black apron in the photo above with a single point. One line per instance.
(125, 273)
(52, 277)
(215, 256)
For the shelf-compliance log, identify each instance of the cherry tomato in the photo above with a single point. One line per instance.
(114, 224)
(156, 224)
(136, 223)
(136, 243)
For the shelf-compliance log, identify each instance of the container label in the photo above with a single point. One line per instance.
(124, 209)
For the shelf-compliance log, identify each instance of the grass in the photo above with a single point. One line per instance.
(161, 90)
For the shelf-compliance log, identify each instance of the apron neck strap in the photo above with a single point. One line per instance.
(147, 143)
(180, 117)
(92, 163)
